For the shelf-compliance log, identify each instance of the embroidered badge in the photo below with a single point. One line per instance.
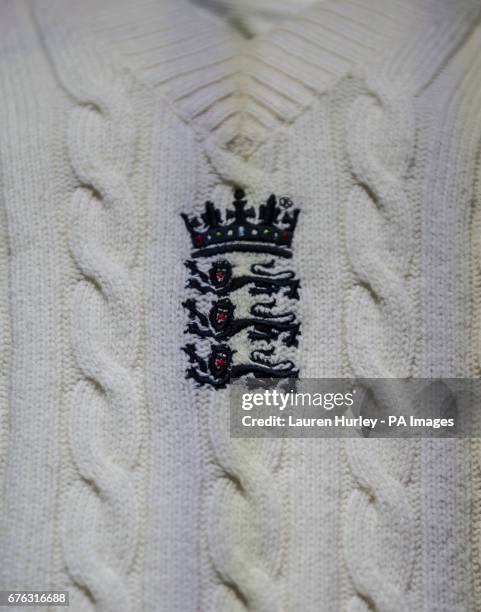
(212, 314)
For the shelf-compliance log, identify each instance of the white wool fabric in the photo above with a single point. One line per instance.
(119, 479)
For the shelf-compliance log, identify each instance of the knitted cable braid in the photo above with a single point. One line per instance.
(245, 533)
(101, 517)
(380, 226)
(232, 168)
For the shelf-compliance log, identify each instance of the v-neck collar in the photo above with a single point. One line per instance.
(230, 87)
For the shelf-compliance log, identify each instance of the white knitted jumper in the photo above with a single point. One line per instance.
(119, 479)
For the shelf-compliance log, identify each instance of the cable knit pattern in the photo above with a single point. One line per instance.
(101, 516)
(380, 227)
(235, 170)
(224, 524)
(245, 532)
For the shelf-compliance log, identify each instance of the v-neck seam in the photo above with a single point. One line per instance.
(260, 60)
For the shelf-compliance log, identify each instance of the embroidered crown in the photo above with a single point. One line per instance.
(270, 231)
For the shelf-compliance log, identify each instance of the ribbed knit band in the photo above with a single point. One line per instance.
(227, 86)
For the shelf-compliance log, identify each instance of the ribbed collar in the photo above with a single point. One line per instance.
(227, 86)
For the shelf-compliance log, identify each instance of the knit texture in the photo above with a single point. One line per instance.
(107, 384)
(120, 480)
